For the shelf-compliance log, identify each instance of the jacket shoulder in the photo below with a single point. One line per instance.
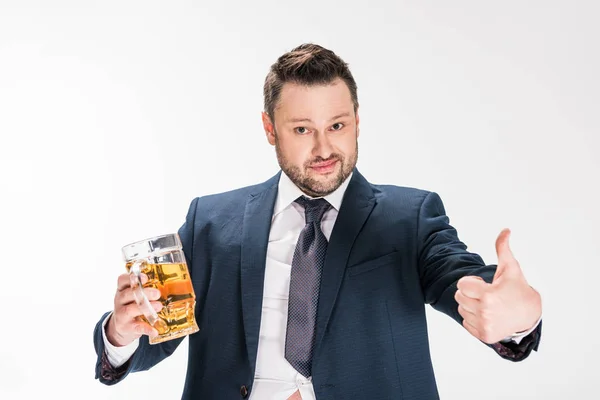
(394, 193)
(231, 201)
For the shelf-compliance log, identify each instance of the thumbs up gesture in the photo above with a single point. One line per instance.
(508, 305)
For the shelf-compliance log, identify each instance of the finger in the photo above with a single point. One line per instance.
(499, 271)
(143, 328)
(129, 311)
(123, 282)
(467, 316)
(507, 268)
(126, 296)
(157, 305)
(471, 329)
(132, 311)
(502, 246)
(469, 319)
(472, 286)
(469, 304)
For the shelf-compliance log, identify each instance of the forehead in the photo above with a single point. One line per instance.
(314, 102)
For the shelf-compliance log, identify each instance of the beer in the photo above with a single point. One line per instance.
(176, 318)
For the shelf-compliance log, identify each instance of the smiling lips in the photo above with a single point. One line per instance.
(325, 167)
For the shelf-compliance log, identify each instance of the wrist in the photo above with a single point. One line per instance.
(535, 306)
(113, 336)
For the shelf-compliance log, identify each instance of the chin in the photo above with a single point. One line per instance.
(324, 185)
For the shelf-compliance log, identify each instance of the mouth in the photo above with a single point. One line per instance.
(324, 167)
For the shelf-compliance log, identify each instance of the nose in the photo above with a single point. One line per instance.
(322, 146)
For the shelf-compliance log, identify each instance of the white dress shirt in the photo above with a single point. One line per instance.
(275, 378)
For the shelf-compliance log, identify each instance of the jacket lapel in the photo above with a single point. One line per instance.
(356, 206)
(255, 237)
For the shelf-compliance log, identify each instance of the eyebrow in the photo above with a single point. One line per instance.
(295, 120)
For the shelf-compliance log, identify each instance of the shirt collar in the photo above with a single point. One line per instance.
(288, 192)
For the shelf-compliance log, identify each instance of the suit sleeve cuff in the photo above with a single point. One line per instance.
(519, 351)
(117, 356)
(517, 337)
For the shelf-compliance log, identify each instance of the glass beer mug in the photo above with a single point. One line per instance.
(162, 259)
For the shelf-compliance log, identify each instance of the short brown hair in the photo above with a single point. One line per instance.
(308, 64)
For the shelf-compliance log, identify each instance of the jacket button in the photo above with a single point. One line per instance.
(244, 391)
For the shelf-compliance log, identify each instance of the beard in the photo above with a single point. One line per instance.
(311, 186)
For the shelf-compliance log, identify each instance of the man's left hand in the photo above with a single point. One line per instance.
(494, 311)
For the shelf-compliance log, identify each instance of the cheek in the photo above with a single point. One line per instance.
(347, 145)
(295, 152)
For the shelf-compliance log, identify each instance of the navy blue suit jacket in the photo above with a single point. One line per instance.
(391, 252)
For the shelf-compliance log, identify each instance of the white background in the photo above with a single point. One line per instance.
(114, 115)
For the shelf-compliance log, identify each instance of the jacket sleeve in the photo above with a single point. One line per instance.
(443, 259)
(146, 355)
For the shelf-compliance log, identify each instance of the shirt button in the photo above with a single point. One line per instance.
(244, 391)
(301, 380)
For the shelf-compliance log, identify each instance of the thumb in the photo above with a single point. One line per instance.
(506, 260)
(502, 247)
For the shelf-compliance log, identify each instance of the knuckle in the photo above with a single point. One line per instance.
(131, 310)
(486, 333)
(486, 299)
(122, 314)
(485, 314)
(126, 296)
(138, 328)
(141, 328)
(120, 296)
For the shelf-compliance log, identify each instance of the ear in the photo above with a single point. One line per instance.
(357, 124)
(269, 128)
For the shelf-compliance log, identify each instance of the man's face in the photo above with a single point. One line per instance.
(315, 135)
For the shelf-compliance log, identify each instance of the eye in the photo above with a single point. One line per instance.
(301, 130)
(337, 126)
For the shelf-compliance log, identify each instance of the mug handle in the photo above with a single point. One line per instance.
(135, 280)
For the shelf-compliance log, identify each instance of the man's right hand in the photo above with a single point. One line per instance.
(124, 326)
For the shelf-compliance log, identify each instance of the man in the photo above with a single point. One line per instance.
(313, 284)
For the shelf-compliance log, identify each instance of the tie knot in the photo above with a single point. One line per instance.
(313, 209)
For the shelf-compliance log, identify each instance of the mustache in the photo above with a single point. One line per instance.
(319, 160)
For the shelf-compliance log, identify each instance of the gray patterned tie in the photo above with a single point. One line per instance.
(307, 266)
